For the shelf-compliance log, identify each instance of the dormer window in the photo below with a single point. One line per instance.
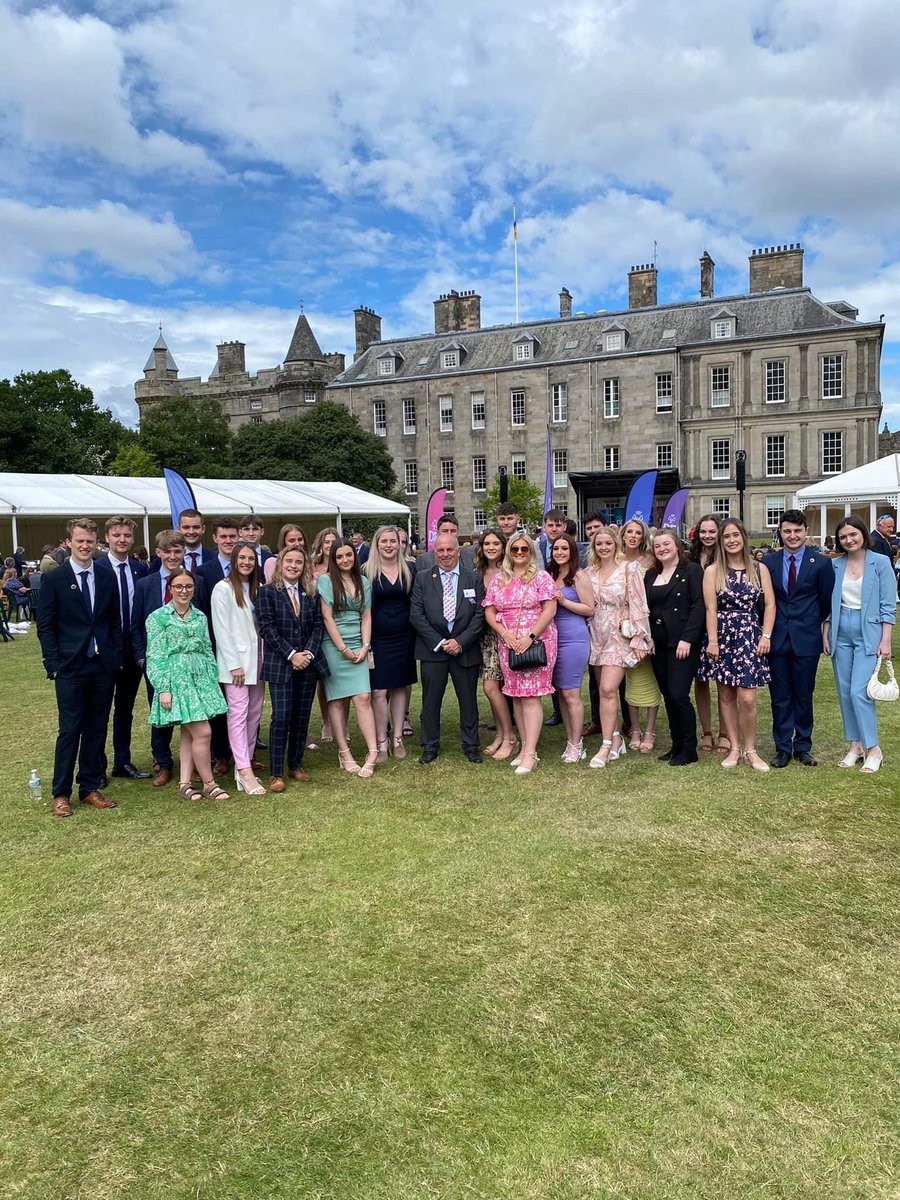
(523, 351)
(613, 338)
(722, 324)
(722, 329)
(525, 347)
(614, 341)
(389, 363)
(450, 359)
(385, 366)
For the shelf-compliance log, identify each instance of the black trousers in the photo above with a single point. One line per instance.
(675, 677)
(291, 708)
(83, 700)
(128, 682)
(434, 676)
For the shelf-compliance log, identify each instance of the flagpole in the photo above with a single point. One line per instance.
(516, 260)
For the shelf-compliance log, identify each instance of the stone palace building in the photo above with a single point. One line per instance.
(787, 381)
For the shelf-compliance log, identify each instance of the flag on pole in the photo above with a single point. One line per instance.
(548, 497)
(675, 509)
(433, 511)
(639, 505)
(515, 226)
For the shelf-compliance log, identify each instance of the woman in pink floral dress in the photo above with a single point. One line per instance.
(520, 606)
(620, 599)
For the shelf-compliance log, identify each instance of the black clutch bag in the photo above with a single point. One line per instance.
(529, 660)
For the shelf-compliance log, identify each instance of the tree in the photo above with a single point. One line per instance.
(191, 436)
(134, 461)
(49, 423)
(326, 443)
(527, 497)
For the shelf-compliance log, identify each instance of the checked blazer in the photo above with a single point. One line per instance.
(282, 633)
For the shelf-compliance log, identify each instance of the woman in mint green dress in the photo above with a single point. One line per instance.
(184, 676)
(346, 599)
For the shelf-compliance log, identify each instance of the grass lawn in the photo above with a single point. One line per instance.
(637, 983)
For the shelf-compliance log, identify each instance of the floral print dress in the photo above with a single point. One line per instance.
(518, 607)
(739, 630)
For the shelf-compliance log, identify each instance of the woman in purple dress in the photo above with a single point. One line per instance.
(574, 606)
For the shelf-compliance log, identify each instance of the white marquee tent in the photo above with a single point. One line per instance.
(866, 490)
(37, 496)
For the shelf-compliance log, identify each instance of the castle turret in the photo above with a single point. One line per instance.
(160, 364)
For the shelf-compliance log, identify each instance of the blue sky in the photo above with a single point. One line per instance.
(207, 163)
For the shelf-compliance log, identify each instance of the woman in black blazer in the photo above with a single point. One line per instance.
(677, 616)
(290, 624)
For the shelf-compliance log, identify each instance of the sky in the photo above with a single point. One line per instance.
(210, 165)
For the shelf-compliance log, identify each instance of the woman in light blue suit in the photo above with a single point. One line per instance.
(863, 609)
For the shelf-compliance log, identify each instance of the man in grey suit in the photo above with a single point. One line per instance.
(447, 524)
(448, 618)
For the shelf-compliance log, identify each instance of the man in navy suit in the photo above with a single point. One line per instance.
(190, 524)
(213, 571)
(252, 530)
(126, 572)
(151, 593)
(80, 630)
(803, 580)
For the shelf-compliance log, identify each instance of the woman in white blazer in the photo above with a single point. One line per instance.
(863, 609)
(239, 659)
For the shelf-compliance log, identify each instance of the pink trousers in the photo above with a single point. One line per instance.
(245, 706)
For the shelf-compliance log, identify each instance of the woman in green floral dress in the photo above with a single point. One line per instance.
(186, 692)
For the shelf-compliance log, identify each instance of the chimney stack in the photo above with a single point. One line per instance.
(367, 325)
(565, 303)
(446, 313)
(230, 359)
(642, 286)
(469, 311)
(776, 267)
(707, 277)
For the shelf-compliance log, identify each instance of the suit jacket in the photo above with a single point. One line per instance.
(283, 632)
(427, 616)
(148, 597)
(137, 570)
(879, 599)
(66, 628)
(799, 616)
(684, 616)
(237, 642)
(205, 555)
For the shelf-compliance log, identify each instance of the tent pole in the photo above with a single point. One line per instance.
(339, 524)
(15, 533)
(823, 523)
(147, 532)
(873, 514)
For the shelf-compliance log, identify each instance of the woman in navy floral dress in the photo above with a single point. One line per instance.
(736, 656)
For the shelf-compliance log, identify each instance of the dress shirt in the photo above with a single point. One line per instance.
(454, 571)
(92, 589)
(198, 552)
(786, 564)
(225, 564)
(163, 580)
(115, 563)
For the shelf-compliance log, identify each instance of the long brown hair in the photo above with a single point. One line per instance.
(339, 596)
(236, 583)
(285, 530)
(481, 563)
(573, 566)
(697, 549)
(721, 564)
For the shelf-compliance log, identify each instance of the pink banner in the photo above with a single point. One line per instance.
(433, 514)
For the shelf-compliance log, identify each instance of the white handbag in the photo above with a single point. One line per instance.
(876, 690)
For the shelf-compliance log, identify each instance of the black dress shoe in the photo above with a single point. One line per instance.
(427, 756)
(129, 771)
(781, 759)
(473, 756)
(554, 719)
(804, 757)
(684, 759)
(664, 757)
(261, 745)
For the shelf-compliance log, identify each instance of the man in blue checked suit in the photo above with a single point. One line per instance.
(803, 580)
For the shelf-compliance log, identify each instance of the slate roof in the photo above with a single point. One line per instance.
(304, 346)
(160, 344)
(781, 313)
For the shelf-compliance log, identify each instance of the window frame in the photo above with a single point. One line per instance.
(722, 327)
(716, 504)
(479, 519)
(559, 403)
(309, 396)
(612, 399)
(409, 405)
(449, 360)
(560, 477)
(513, 395)
(664, 408)
(612, 458)
(720, 472)
(773, 523)
(518, 466)
(448, 472)
(523, 351)
(768, 385)
(414, 465)
(478, 398)
(714, 391)
(665, 446)
(615, 341)
(445, 413)
(479, 469)
(831, 433)
(836, 359)
(771, 454)
(386, 365)
(379, 417)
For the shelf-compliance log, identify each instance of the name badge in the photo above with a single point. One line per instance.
(469, 593)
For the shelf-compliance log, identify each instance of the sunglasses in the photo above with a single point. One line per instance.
(519, 550)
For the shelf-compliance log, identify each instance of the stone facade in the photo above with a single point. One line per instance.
(790, 380)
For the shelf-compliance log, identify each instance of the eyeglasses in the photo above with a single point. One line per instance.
(182, 587)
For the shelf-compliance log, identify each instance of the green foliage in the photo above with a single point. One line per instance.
(134, 461)
(527, 497)
(327, 443)
(190, 436)
(50, 423)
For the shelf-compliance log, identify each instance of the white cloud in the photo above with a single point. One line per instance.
(128, 242)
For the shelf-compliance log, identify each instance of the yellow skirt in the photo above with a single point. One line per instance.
(641, 688)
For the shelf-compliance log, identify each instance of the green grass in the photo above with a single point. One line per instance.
(452, 982)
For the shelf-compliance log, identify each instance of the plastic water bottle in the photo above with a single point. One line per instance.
(34, 787)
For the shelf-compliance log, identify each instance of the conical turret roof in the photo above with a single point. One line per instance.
(160, 344)
(304, 346)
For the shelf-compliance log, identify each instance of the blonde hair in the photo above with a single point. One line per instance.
(372, 568)
(610, 531)
(278, 578)
(646, 535)
(720, 566)
(506, 569)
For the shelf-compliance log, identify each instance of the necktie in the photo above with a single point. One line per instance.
(123, 597)
(227, 570)
(292, 592)
(193, 557)
(168, 592)
(449, 597)
(792, 573)
(86, 593)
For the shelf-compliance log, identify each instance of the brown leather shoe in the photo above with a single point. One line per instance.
(220, 767)
(162, 777)
(61, 806)
(276, 784)
(256, 766)
(592, 729)
(98, 800)
(300, 775)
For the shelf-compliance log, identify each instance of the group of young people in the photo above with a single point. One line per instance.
(645, 618)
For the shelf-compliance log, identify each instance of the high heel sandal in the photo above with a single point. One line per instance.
(399, 748)
(751, 757)
(597, 761)
(212, 791)
(381, 754)
(726, 749)
(256, 789)
(347, 762)
(521, 769)
(635, 740)
(871, 764)
(622, 750)
(851, 758)
(187, 791)
(648, 743)
(706, 737)
(511, 744)
(327, 735)
(574, 752)
(367, 770)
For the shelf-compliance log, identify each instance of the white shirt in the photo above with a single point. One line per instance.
(115, 563)
(90, 574)
(851, 593)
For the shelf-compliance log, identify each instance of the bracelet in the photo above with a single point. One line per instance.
(767, 636)
(533, 636)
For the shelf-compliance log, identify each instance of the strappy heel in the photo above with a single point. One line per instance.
(707, 736)
(597, 761)
(511, 743)
(212, 791)
(648, 743)
(635, 740)
(367, 770)
(398, 748)
(872, 764)
(754, 760)
(622, 750)
(347, 762)
(574, 752)
(851, 758)
(256, 788)
(521, 769)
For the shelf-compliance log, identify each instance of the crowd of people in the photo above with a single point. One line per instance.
(647, 619)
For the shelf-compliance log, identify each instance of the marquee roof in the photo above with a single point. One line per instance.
(103, 495)
(878, 480)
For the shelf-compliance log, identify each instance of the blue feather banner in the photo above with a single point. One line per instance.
(640, 499)
(181, 494)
